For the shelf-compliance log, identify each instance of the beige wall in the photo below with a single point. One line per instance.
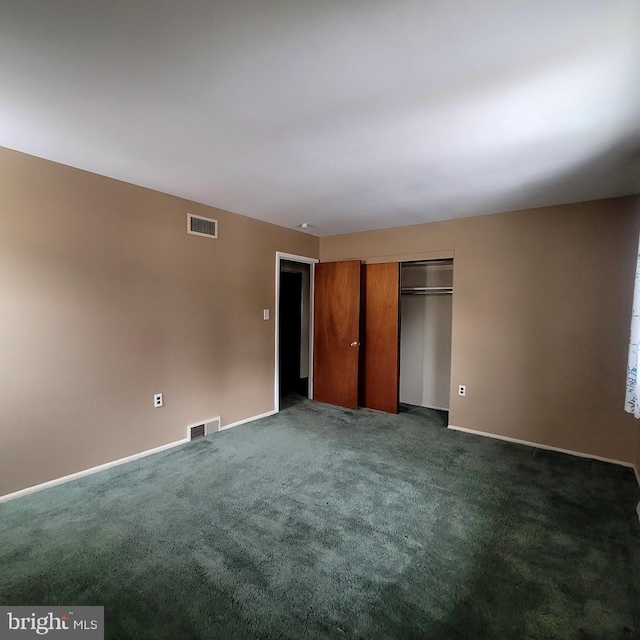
(541, 313)
(105, 300)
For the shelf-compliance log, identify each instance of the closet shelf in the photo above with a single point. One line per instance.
(442, 262)
(427, 291)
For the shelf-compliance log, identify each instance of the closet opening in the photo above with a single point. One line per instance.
(425, 333)
(294, 322)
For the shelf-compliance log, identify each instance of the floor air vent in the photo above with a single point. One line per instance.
(202, 429)
(199, 226)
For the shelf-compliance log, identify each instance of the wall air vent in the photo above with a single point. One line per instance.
(199, 226)
(202, 429)
(197, 432)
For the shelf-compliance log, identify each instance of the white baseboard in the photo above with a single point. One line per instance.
(540, 446)
(251, 419)
(89, 472)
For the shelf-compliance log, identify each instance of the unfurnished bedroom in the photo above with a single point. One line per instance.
(319, 320)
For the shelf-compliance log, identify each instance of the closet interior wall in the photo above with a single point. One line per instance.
(425, 335)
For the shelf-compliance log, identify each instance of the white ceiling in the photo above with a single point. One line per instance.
(348, 115)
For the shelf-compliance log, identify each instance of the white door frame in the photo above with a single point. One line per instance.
(312, 272)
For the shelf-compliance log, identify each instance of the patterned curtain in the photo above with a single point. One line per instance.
(632, 403)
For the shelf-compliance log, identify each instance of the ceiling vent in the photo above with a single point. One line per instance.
(199, 226)
(203, 429)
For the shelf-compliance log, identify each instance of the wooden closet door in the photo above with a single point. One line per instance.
(336, 336)
(380, 351)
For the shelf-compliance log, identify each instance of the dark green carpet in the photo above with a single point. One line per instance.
(327, 523)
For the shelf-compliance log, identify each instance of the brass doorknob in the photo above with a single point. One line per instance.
(354, 344)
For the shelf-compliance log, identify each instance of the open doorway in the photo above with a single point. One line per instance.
(294, 328)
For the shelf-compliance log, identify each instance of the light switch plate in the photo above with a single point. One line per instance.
(265, 314)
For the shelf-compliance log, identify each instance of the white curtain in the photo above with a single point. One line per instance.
(632, 402)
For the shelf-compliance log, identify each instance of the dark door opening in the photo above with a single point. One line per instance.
(293, 320)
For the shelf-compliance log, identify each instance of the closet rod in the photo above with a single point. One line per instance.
(433, 291)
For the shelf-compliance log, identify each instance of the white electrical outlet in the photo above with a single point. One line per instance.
(462, 390)
(265, 314)
(157, 400)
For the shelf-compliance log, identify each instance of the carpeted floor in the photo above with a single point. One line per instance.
(321, 522)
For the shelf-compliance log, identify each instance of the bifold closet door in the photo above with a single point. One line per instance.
(336, 337)
(380, 351)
